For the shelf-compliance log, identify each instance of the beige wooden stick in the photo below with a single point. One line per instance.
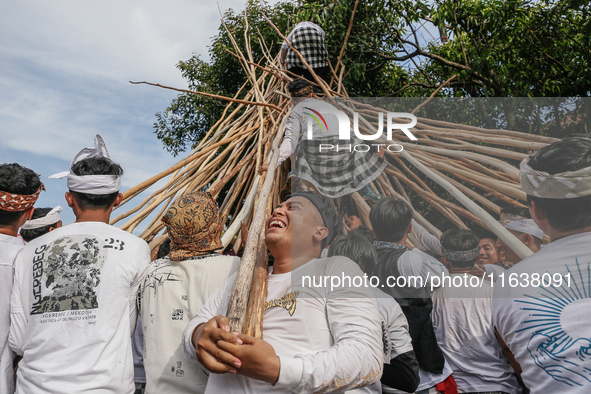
(451, 216)
(510, 133)
(471, 193)
(244, 213)
(346, 38)
(253, 324)
(504, 166)
(512, 241)
(479, 148)
(210, 95)
(362, 208)
(237, 307)
(414, 111)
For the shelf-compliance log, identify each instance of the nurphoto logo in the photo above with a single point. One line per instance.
(344, 129)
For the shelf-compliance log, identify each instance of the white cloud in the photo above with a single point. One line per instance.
(111, 38)
(65, 71)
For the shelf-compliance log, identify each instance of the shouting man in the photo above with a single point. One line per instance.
(316, 338)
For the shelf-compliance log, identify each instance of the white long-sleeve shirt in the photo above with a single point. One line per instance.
(296, 126)
(9, 247)
(73, 309)
(327, 340)
(429, 241)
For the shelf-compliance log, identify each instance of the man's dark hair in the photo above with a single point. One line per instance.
(330, 212)
(297, 85)
(31, 234)
(356, 247)
(364, 232)
(96, 166)
(458, 240)
(519, 211)
(16, 179)
(163, 249)
(570, 154)
(326, 212)
(390, 218)
(482, 234)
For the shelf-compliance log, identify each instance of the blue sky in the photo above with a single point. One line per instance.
(64, 72)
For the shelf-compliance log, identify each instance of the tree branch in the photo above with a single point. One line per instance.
(210, 95)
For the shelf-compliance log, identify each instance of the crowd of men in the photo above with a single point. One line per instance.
(70, 297)
(88, 308)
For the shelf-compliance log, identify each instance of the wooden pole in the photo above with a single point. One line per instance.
(512, 241)
(237, 307)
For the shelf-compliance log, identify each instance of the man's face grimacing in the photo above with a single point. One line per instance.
(295, 224)
(487, 253)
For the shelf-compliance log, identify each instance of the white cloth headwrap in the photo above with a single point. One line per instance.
(569, 184)
(521, 224)
(91, 184)
(52, 217)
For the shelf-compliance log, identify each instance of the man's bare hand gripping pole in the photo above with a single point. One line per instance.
(209, 354)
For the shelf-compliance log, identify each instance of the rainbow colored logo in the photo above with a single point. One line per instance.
(315, 118)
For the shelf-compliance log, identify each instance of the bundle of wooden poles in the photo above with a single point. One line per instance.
(469, 162)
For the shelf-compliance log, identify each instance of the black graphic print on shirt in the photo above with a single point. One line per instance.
(66, 273)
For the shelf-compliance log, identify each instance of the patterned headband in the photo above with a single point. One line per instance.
(303, 92)
(18, 202)
(460, 256)
(565, 185)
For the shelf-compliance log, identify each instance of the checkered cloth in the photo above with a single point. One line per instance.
(336, 174)
(310, 43)
(565, 185)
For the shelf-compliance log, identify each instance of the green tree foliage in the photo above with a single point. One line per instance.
(515, 48)
(496, 48)
(189, 117)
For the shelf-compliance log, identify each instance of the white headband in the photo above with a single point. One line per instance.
(91, 184)
(527, 226)
(52, 217)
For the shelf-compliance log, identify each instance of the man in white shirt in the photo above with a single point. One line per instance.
(401, 368)
(176, 287)
(316, 337)
(391, 220)
(333, 173)
(19, 190)
(73, 303)
(542, 313)
(462, 319)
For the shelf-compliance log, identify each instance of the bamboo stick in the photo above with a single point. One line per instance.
(512, 241)
(247, 208)
(237, 306)
(414, 111)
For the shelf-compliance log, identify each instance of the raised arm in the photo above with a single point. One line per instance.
(430, 241)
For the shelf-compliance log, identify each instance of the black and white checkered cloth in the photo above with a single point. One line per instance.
(309, 42)
(336, 174)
